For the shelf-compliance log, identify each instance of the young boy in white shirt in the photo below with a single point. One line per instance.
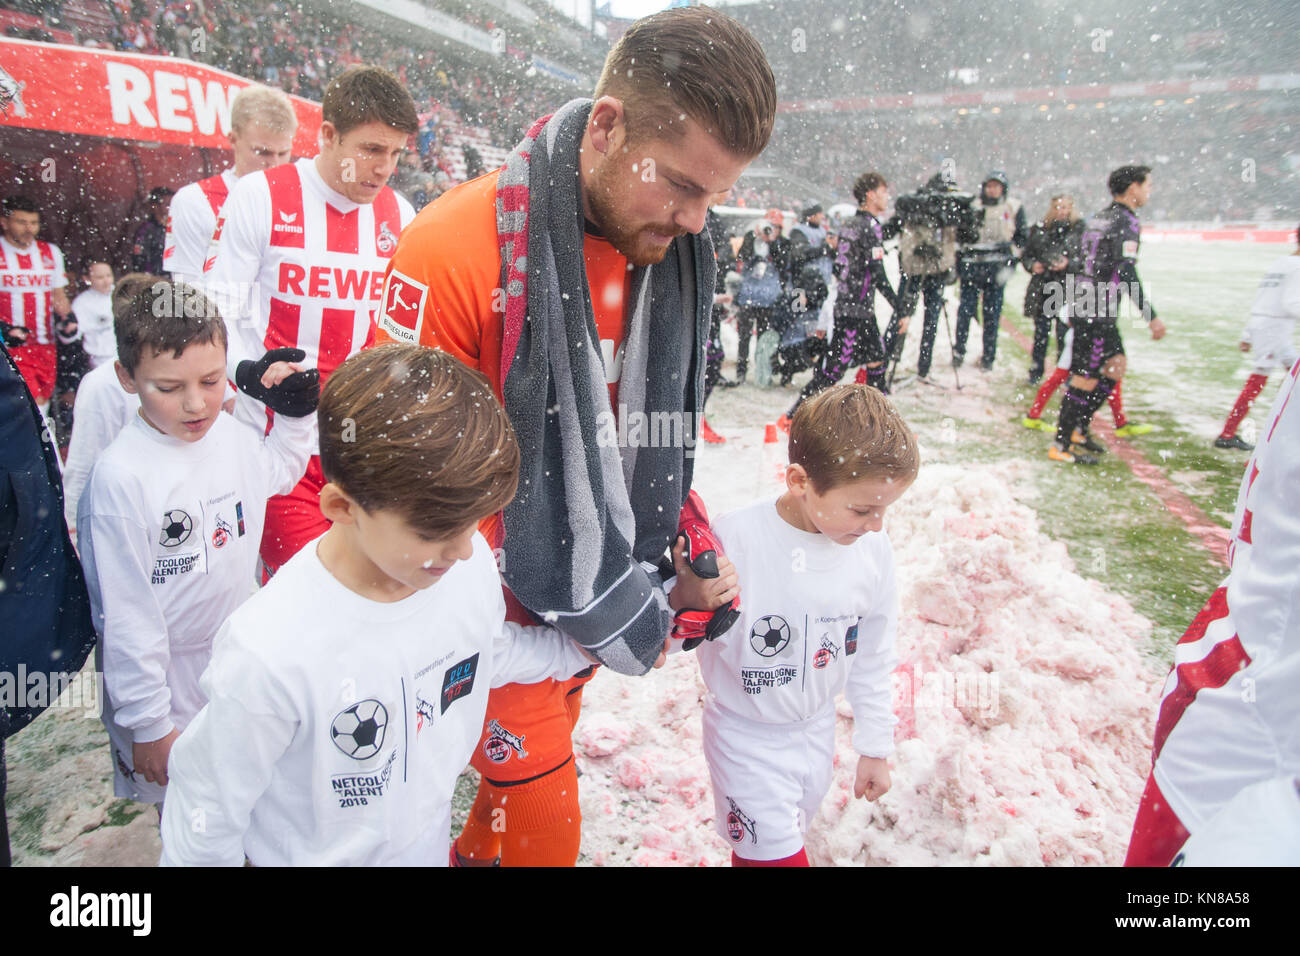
(94, 311)
(169, 523)
(345, 698)
(818, 617)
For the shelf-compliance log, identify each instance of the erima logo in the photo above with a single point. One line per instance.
(103, 909)
(288, 216)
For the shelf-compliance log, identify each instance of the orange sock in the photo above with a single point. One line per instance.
(538, 823)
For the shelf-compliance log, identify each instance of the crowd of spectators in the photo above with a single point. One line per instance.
(1229, 157)
(831, 48)
(300, 49)
(1226, 156)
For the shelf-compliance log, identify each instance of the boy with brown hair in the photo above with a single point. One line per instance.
(819, 617)
(345, 697)
(169, 522)
(579, 279)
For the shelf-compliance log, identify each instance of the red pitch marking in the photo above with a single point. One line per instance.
(1211, 536)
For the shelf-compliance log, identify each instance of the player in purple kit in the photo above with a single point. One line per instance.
(1109, 269)
(860, 268)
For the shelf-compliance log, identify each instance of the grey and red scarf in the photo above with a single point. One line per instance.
(593, 514)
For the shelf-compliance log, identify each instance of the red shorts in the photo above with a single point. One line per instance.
(38, 364)
(294, 519)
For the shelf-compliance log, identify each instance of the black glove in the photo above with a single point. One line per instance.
(297, 396)
(15, 336)
(67, 329)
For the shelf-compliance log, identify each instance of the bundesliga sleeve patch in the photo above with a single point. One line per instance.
(1130, 249)
(877, 252)
(402, 308)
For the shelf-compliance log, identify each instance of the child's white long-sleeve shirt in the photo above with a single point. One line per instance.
(817, 618)
(168, 532)
(336, 725)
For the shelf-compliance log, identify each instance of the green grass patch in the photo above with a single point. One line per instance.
(123, 811)
(1118, 532)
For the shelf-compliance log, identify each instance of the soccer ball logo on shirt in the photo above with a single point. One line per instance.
(176, 528)
(358, 731)
(769, 635)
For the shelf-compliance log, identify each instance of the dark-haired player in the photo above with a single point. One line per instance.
(1107, 271)
(860, 270)
(299, 254)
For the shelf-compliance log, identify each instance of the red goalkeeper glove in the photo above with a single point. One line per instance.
(702, 549)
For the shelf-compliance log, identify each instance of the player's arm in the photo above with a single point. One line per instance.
(225, 761)
(1129, 276)
(287, 449)
(59, 298)
(118, 560)
(188, 233)
(879, 278)
(232, 266)
(62, 307)
(1291, 294)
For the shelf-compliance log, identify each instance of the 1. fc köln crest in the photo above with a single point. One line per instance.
(501, 744)
(739, 824)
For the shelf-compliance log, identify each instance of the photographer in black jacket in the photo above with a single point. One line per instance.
(1050, 251)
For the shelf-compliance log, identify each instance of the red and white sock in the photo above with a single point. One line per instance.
(1116, 401)
(1254, 385)
(1047, 390)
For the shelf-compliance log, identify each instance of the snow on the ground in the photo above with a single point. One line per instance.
(1025, 710)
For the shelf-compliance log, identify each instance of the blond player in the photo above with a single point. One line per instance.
(262, 124)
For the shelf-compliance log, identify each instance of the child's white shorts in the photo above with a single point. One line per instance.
(1272, 342)
(768, 779)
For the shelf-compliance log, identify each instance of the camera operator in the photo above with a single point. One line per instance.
(986, 263)
(1050, 249)
(930, 221)
(812, 243)
(763, 262)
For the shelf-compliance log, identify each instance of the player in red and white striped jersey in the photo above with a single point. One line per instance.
(1230, 716)
(35, 314)
(262, 124)
(298, 259)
